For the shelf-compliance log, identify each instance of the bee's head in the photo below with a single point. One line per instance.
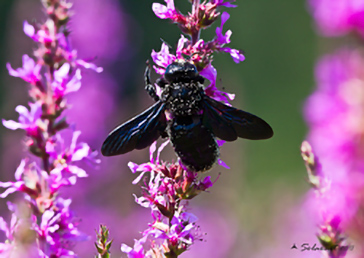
(180, 71)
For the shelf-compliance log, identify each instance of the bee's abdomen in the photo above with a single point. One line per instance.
(193, 142)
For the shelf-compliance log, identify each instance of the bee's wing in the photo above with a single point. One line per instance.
(137, 133)
(229, 123)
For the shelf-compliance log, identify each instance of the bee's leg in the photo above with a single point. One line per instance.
(149, 87)
(161, 82)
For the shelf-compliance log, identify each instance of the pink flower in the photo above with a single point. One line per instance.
(30, 72)
(41, 36)
(28, 120)
(65, 157)
(63, 84)
(210, 73)
(165, 12)
(338, 17)
(162, 58)
(57, 229)
(137, 251)
(221, 40)
(334, 113)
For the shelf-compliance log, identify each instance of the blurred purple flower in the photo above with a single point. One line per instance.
(338, 17)
(6, 248)
(137, 251)
(28, 120)
(62, 84)
(30, 72)
(334, 113)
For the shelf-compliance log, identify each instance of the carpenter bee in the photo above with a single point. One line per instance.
(188, 117)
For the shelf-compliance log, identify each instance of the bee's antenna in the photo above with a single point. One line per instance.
(165, 42)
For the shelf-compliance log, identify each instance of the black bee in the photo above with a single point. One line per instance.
(194, 120)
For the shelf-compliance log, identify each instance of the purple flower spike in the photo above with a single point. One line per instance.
(165, 12)
(30, 72)
(50, 229)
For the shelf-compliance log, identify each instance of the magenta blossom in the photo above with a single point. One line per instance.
(334, 113)
(13, 246)
(57, 229)
(221, 40)
(166, 194)
(210, 73)
(338, 17)
(28, 120)
(64, 157)
(62, 84)
(165, 12)
(30, 72)
(137, 251)
(162, 59)
(47, 39)
(41, 36)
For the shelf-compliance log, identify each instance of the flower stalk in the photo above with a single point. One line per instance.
(53, 160)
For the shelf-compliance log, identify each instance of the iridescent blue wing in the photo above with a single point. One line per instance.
(137, 133)
(229, 123)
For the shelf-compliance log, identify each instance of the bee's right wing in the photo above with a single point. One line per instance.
(137, 133)
(229, 123)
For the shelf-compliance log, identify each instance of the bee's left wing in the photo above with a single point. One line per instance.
(229, 123)
(137, 133)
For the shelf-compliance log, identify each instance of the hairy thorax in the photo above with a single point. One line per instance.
(183, 98)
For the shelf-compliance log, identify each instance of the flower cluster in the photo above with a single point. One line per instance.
(334, 113)
(51, 75)
(327, 195)
(338, 17)
(166, 193)
(199, 52)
